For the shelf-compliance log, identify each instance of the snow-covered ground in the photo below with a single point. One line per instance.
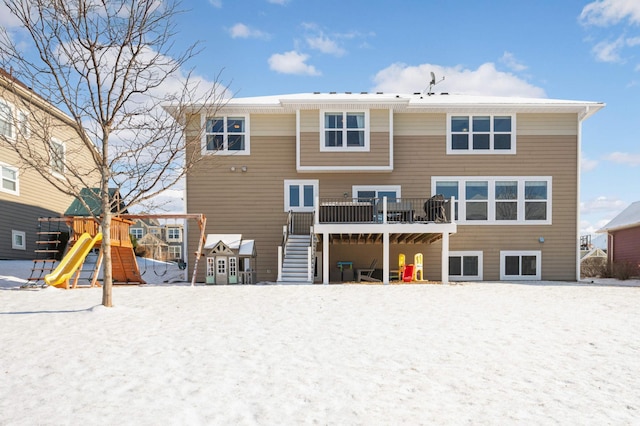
(167, 353)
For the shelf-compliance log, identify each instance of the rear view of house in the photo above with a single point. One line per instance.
(482, 188)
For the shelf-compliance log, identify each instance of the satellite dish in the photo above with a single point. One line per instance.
(432, 83)
(433, 79)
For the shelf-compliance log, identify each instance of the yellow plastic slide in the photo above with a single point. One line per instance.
(72, 261)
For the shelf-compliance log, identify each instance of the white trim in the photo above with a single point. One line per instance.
(15, 234)
(491, 201)
(12, 121)
(491, 150)
(320, 169)
(468, 253)
(17, 179)
(225, 152)
(301, 183)
(345, 148)
(391, 144)
(55, 172)
(520, 253)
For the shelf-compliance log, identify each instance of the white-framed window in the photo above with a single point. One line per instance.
(6, 120)
(226, 135)
(233, 268)
(18, 240)
(23, 124)
(465, 265)
(300, 195)
(57, 157)
(174, 235)
(521, 265)
(9, 182)
(369, 192)
(211, 267)
(497, 200)
(175, 252)
(137, 233)
(481, 134)
(344, 130)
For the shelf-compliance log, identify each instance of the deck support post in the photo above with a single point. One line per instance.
(325, 258)
(445, 258)
(385, 257)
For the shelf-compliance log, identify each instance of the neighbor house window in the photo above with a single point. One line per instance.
(300, 195)
(481, 134)
(23, 124)
(57, 157)
(18, 240)
(175, 252)
(174, 234)
(520, 265)
(137, 233)
(6, 120)
(343, 130)
(9, 177)
(498, 200)
(227, 135)
(465, 265)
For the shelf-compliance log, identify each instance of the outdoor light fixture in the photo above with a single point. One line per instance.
(233, 168)
(244, 168)
(541, 240)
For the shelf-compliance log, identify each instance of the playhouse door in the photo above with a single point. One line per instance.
(221, 270)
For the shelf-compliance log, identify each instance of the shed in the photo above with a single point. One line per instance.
(230, 259)
(623, 236)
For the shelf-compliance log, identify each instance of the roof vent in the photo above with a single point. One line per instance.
(332, 93)
(378, 93)
(316, 93)
(363, 93)
(416, 93)
(444, 93)
(347, 93)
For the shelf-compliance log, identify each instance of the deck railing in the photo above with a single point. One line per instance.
(436, 209)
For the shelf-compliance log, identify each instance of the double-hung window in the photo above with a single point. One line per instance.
(481, 134)
(23, 124)
(344, 130)
(57, 153)
(299, 195)
(136, 233)
(9, 179)
(227, 135)
(174, 235)
(6, 120)
(498, 200)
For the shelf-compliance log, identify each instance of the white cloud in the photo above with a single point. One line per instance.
(512, 63)
(587, 165)
(624, 158)
(292, 62)
(241, 30)
(325, 45)
(280, 2)
(610, 12)
(609, 51)
(216, 3)
(602, 204)
(485, 80)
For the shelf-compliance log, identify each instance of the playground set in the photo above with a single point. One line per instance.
(64, 244)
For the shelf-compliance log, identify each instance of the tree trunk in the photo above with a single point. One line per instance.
(107, 283)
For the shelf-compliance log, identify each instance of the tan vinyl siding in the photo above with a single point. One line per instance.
(547, 124)
(419, 124)
(273, 125)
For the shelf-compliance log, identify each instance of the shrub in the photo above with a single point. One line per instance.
(594, 267)
(624, 270)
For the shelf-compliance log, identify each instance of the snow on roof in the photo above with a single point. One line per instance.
(246, 248)
(627, 218)
(230, 240)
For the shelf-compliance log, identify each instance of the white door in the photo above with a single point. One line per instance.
(221, 270)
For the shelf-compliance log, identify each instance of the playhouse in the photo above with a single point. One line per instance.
(230, 259)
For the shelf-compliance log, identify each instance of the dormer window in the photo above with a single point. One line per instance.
(344, 131)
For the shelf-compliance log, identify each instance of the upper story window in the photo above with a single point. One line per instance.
(344, 130)
(57, 157)
(481, 134)
(23, 124)
(9, 179)
(227, 135)
(6, 120)
(174, 234)
(498, 200)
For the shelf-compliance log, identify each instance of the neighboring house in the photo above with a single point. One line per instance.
(161, 241)
(485, 188)
(623, 236)
(24, 195)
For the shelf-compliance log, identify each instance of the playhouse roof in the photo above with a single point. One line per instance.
(233, 241)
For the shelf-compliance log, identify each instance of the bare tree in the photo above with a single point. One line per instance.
(110, 65)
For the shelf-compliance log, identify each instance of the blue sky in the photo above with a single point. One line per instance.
(569, 49)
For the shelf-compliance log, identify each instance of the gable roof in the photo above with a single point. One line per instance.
(628, 218)
(91, 196)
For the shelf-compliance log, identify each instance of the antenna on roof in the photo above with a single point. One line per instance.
(432, 83)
